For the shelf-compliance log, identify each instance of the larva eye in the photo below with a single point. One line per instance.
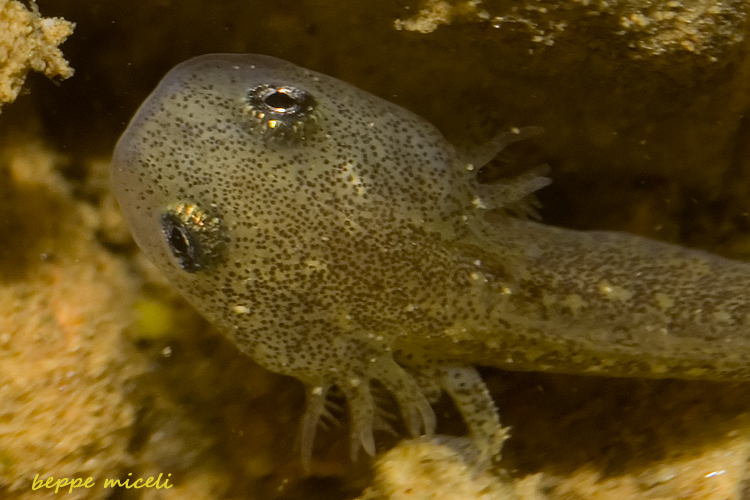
(196, 239)
(281, 114)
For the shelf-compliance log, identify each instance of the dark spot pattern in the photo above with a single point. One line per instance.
(336, 207)
(347, 229)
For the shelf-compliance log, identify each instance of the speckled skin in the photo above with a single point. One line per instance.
(353, 244)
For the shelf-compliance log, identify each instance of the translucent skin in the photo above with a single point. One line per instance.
(353, 244)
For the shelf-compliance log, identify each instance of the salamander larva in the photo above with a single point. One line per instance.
(340, 239)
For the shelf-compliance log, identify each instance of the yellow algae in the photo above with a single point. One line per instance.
(424, 470)
(63, 361)
(435, 13)
(28, 42)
